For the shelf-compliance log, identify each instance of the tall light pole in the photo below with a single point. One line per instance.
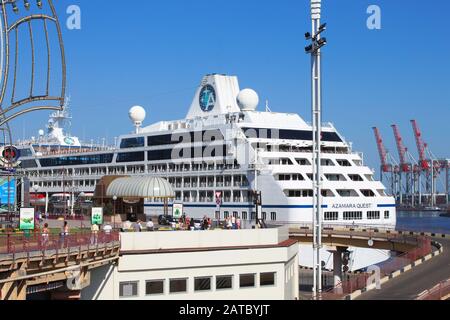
(114, 211)
(317, 42)
(35, 190)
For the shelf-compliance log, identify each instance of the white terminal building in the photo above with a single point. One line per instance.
(210, 265)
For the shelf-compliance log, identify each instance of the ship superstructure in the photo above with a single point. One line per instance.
(225, 148)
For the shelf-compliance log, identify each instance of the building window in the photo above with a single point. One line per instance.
(226, 214)
(154, 287)
(267, 279)
(353, 215)
(331, 216)
(273, 216)
(247, 281)
(373, 215)
(202, 284)
(235, 214)
(253, 217)
(128, 289)
(224, 282)
(178, 285)
(244, 215)
(387, 215)
(264, 215)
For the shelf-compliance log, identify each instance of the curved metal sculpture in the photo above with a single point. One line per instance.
(16, 18)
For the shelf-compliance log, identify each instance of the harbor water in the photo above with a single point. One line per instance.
(423, 222)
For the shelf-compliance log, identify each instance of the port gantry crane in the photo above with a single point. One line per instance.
(407, 168)
(431, 167)
(389, 167)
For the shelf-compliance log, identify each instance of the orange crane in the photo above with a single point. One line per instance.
(388, 164)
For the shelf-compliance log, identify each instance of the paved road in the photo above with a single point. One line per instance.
(424, 277)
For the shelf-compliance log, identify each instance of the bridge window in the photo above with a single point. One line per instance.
(382, 193)
(154, 287)
(132, 143)
(331, 216)
(131, 157)
(353, 215)
(128, 289)
(178, 285)
(373, 215)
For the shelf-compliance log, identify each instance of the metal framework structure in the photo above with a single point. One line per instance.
(14, 20)
(22, 24)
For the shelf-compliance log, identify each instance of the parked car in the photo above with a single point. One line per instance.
(165, 220)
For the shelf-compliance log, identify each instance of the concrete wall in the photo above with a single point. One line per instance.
(201, 239)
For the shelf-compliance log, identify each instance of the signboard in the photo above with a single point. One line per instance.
(26, 219)
(97, 216)
(9, 155)
(177, 212)
(219, 198)
(7, 190)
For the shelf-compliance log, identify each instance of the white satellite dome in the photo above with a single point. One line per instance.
(137, 114)
(248, 100)
(41, 133)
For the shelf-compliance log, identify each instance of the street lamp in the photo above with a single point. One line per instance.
(114, 211)
(314, 49)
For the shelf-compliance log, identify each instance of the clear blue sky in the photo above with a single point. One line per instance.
(153, 53)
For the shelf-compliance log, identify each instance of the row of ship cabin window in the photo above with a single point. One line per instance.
(356, 215)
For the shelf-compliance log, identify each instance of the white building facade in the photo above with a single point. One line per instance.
(209, 265)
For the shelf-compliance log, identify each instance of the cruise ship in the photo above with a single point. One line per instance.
(216, 157)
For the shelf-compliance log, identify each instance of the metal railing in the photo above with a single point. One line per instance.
(386, 268)
(15, 244)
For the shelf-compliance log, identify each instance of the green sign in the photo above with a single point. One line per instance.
(177, 210)
(26, 219)
(97, 216)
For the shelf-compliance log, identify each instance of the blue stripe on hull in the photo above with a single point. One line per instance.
(239, 206)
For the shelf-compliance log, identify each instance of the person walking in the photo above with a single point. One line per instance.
(238, 223)
(94, 234)
(64, 234)
(45, 235)
(233, 222)
(150, 225)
